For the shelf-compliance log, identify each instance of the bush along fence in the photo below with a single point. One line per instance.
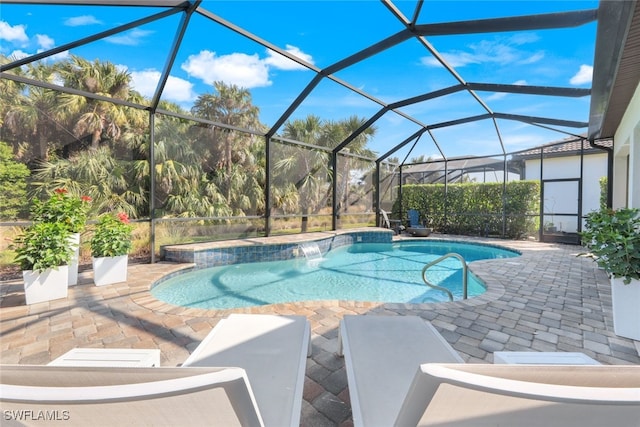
(486, 209)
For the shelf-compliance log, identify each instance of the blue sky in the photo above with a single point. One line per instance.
(324, 32)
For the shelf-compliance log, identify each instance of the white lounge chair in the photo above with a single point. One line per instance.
(104, 396)
(522, 395)
(382, 354)
(273, 351)
(267, 351)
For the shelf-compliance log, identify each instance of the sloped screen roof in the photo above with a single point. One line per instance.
(439, 78)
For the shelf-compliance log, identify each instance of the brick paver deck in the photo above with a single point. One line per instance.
(546, 300)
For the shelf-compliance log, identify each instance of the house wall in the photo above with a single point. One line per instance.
(626, 161)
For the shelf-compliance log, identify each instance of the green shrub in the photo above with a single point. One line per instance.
(472, 208)
(13, 185)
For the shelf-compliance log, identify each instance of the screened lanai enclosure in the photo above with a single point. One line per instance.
(212, 120)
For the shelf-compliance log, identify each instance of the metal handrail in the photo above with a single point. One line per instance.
(442, 288)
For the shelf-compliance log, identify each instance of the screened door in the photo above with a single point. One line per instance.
(561, 210)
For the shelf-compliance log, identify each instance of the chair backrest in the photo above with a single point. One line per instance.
(78, 396)
(385, 218)
(414, 218)
(523, 395)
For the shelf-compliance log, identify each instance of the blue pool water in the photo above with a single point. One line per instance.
(378, 272)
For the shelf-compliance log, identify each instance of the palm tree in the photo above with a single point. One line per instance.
(232, 158)
(32, 114)
(310, 168)
(9, 89)
(232, 106)
(93, 117)
(306, 169)
(339, 131)
(181, 181)
(96, 173)
(135, 132)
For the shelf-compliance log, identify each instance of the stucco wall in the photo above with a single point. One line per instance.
(626, 179)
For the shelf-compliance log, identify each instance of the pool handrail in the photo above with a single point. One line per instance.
(442, 288)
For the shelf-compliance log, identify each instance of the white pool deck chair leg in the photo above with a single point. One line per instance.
(273, 350)
(382, 355)
(466, 395)
(114, 397)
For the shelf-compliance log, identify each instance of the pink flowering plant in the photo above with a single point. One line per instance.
(63, 208)
(112, 236)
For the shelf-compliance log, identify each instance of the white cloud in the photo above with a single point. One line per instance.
(523, 140)
(176, 90)
(145, 82)
(15, 34)
(584, 75)
(18, 54)
(78, 21)
(496, 96)
(532, 59)
(501, 51)
(240, 69)
(524, 38)
(131, 38)
(179, 90)
(44, 41)
(59, 56)
(247, 71)
(454, 58)
(281, 62)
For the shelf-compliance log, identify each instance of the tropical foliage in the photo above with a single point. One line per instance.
(13, 182)
(213, 174)
(307, 173)
(101, 149)
(613, 240)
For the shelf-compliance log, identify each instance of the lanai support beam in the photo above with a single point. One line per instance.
(512, 23)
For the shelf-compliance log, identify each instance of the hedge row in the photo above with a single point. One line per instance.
(475, 208)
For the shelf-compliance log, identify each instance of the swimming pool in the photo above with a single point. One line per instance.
(377, 272)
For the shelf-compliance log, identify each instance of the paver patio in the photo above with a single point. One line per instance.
(546, 300)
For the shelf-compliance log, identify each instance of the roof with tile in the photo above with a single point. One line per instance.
(567, 147)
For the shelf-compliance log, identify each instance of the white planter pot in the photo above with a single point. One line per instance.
(626, 308)
(47, 285)
(108, 270)
(74, 241)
